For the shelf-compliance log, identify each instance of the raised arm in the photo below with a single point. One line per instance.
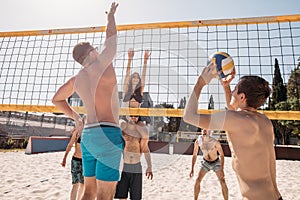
(226, 86)
(207, 121)
(111, 23)
(221, 154)
(146, 57)
(194, 159)
(127, 76)
(191, 115)
(110, 46)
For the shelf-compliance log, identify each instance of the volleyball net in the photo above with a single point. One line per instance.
(34, 64)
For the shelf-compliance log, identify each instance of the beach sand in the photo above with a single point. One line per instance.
(40, 176)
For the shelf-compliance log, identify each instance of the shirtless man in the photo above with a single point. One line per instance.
(101, 141)
(210, 148)
(250, 133)
(76, 166)
(136, 138)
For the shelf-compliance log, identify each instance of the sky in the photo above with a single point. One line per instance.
(22, 15)
(19, 15)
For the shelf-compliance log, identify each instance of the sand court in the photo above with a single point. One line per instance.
(40, 176)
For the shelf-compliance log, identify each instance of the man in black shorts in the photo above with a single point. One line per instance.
(136, 138)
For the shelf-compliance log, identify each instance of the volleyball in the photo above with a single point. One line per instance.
(224, 63)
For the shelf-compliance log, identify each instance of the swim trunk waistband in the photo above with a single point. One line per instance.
(133, 165)
(132, 168)
(211, 162)
(75, 158)
(101, 124)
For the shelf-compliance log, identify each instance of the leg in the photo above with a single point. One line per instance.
(80, 191)
(122, 187)
(220, 175)
(90, 188)
(106, 190)
(89, 166)
(77, 178)
(74, 190)
(136, 186)
(201, 174)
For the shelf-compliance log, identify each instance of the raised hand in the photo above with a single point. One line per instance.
(227, 80)
(130, 53)
(113, 8)
(209, 72)
(147, 55)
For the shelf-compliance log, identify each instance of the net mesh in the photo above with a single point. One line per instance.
(34, 64)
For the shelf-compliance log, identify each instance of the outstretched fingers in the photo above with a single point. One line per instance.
(209, 72)
(113, 8)
(147, 54)
(130, 53)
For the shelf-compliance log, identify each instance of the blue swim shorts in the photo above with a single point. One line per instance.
(102, 148)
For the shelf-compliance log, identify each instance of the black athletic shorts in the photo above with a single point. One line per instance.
(131, 181)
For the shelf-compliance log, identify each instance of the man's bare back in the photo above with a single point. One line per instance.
(257, 151)
(96, 86)
(101, 101)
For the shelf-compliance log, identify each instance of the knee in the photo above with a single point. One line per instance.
(75, 186)
(198, 180)
(88, 195)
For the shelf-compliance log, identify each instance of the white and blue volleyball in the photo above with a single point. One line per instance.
(224, 63)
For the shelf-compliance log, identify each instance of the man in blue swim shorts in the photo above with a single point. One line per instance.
(102, 146)
(210, 148)
(101, 141)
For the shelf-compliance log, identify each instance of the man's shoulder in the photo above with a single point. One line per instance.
(81, 75)
(142, 129)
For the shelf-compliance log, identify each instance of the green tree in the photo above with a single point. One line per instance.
(293, 88)
(279, 90)
(278, 102)
(211, 104)
(293, 101)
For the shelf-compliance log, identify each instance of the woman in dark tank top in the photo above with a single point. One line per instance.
(133, 86)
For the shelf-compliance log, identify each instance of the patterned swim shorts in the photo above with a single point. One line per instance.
(76, 170)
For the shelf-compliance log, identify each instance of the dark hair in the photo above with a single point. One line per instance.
(81, 50)
(138, 87)
(256, 90)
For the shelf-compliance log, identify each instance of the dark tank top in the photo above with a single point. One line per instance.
(136, 96)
